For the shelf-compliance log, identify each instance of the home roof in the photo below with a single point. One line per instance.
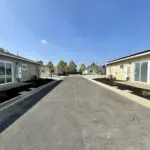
(8, 54)
(129, 56)
(91, 67)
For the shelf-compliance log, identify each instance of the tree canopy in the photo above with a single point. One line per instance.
(2, 49)
(95, 66)
(82, 68)
(72, 67)
(50, 66)
(40, 62)
(62, 67)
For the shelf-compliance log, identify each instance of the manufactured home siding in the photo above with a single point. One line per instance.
(128, 69)
(116, 71)
(32, 69)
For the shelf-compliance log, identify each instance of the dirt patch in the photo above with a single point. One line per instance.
(134, 90)
(13, 92)
(39, 82)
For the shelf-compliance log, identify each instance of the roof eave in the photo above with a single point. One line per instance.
(19, 58)
(129, 57)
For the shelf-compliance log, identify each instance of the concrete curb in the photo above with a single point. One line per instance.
(142, 101)
(19, 98)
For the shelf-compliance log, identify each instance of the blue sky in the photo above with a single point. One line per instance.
(85, 31)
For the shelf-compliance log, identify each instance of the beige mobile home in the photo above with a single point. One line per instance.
(16, 69)
(135, 68)
(45, 71)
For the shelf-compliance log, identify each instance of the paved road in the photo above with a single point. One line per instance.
(80, 115)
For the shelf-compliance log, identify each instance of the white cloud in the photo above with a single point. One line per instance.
(43, 41)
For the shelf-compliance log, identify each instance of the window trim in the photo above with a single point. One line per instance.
(23, 67)
(8, 62)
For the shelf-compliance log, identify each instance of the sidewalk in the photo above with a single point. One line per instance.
(139, 100)
(134, 84)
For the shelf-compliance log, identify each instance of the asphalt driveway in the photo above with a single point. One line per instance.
(80, 115)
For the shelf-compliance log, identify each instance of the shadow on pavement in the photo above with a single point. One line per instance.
(11, 114)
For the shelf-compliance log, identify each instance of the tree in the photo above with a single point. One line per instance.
(2, 50)
(62, 67)
(95, 67)
(82, 68)
(93, 64)
(40, 62)
(51, 67)
(72, 68)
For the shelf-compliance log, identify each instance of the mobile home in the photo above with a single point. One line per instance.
(14, 68)
(135, 68)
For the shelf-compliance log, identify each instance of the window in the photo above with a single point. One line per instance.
(8, 72)
(5, 72)
(137, 71)
(141, 71)
(144, 69)
(2, 72)
(121, 66)
(24, 67)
